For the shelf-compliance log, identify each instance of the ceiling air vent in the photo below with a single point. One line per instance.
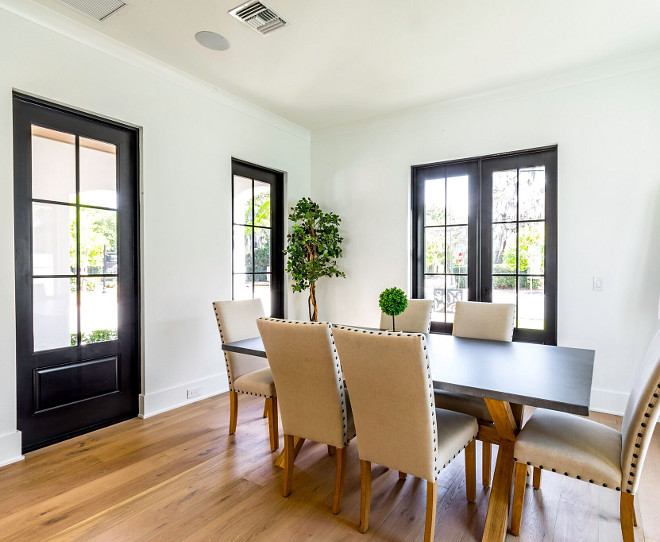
(258, 16)
(96, 9)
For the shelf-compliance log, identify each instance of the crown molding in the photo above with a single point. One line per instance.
(51, 20)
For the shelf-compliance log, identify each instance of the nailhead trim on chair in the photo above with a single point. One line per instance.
(578, 477)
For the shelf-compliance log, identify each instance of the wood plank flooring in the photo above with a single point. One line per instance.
(180, 476)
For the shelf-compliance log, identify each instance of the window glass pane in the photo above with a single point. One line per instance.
(504, 196)
(504, 248)
(242, 286)
(261, 253)
(98, 241)
(242, 200)
(98, 309)
(457, 249)
(532, 248)
(53, 239)
(434, 288)
(532, 193)
(531, 302)
(98, 173)
(457, 290)
(261, 203)
(53, 165)
(504, 290)
(54, 313)
(242, 249)
(262, 291)
(434, 202)
(457, 200)
(434, 250)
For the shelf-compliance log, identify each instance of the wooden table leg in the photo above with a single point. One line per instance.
(297, 444)
(497, 517)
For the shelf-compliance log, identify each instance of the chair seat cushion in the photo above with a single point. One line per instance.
(455, 432)
(467, 404)
(257, 383)
(571, 445)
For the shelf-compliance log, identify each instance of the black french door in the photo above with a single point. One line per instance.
(77, 289)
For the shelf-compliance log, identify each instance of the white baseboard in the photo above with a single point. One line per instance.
(168, 399)
(608, 401)
(10, 448)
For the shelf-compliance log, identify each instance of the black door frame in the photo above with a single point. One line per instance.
(60, 118)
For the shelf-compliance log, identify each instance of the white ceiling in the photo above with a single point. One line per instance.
(342, 60)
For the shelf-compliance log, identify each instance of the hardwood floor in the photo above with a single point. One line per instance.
(180, 476)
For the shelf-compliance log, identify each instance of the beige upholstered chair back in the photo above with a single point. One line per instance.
(640, 417)
(388, 377)
(491, 321)
(415, 319)
(308, 378)
(237, 320)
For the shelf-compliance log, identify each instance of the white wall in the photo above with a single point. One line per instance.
(189, 135)
(608, 132)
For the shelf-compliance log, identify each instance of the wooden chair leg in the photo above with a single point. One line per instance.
(471, 472)
(627, 514)
(273, 424)
(332, 450)
(634, 514)
(289, 456)
(233, 411)
(431, 505)
(339, 480)
(536, 482)
(486, 458)
(265, 408)
(520, 481)
(365, 495)
(402, 475)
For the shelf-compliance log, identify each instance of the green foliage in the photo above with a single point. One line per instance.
(313, 245)
(393, 301)
(96, 336)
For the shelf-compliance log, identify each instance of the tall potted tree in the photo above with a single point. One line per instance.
(313, 246)
(393, 301)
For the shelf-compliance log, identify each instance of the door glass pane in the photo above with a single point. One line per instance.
(53, 239)
(54, 313)
(242, 200)
(242, 286)
(262, 291)
(98, 241)
(504, 248)
(434, 250)
(457, 249)
(457, 200)
(261, 203)
(532, 193)
(434, 288)
(98, 309)
(242, 249)
(53, 165)
(532, 247)
(531, 302)
(504, 290)
(504, 196)
(98, 173)
(261, 253)
(434, 202)
(457, 290)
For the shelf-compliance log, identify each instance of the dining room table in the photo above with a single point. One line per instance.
(543, 376)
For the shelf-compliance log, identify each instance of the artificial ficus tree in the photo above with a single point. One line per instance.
(313, 246)
(393, 301)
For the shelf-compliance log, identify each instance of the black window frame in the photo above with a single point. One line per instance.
(479, 274)
(276, 181)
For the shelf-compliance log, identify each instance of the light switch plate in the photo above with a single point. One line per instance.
(599, 284)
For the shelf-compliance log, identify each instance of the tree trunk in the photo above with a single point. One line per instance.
(311, 302)
(393, 326)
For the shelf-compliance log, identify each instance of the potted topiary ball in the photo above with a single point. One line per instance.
(393, 301)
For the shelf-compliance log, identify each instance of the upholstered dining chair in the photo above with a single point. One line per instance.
(489, 321)
(314, 403)
(592, 452)
(397, 423)
(237, 320)
(415, 319)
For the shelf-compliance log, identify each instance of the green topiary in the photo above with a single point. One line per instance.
(393, 301)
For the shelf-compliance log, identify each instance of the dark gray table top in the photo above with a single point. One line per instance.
(553, 377)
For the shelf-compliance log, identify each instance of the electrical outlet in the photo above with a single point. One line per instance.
(194, 392)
